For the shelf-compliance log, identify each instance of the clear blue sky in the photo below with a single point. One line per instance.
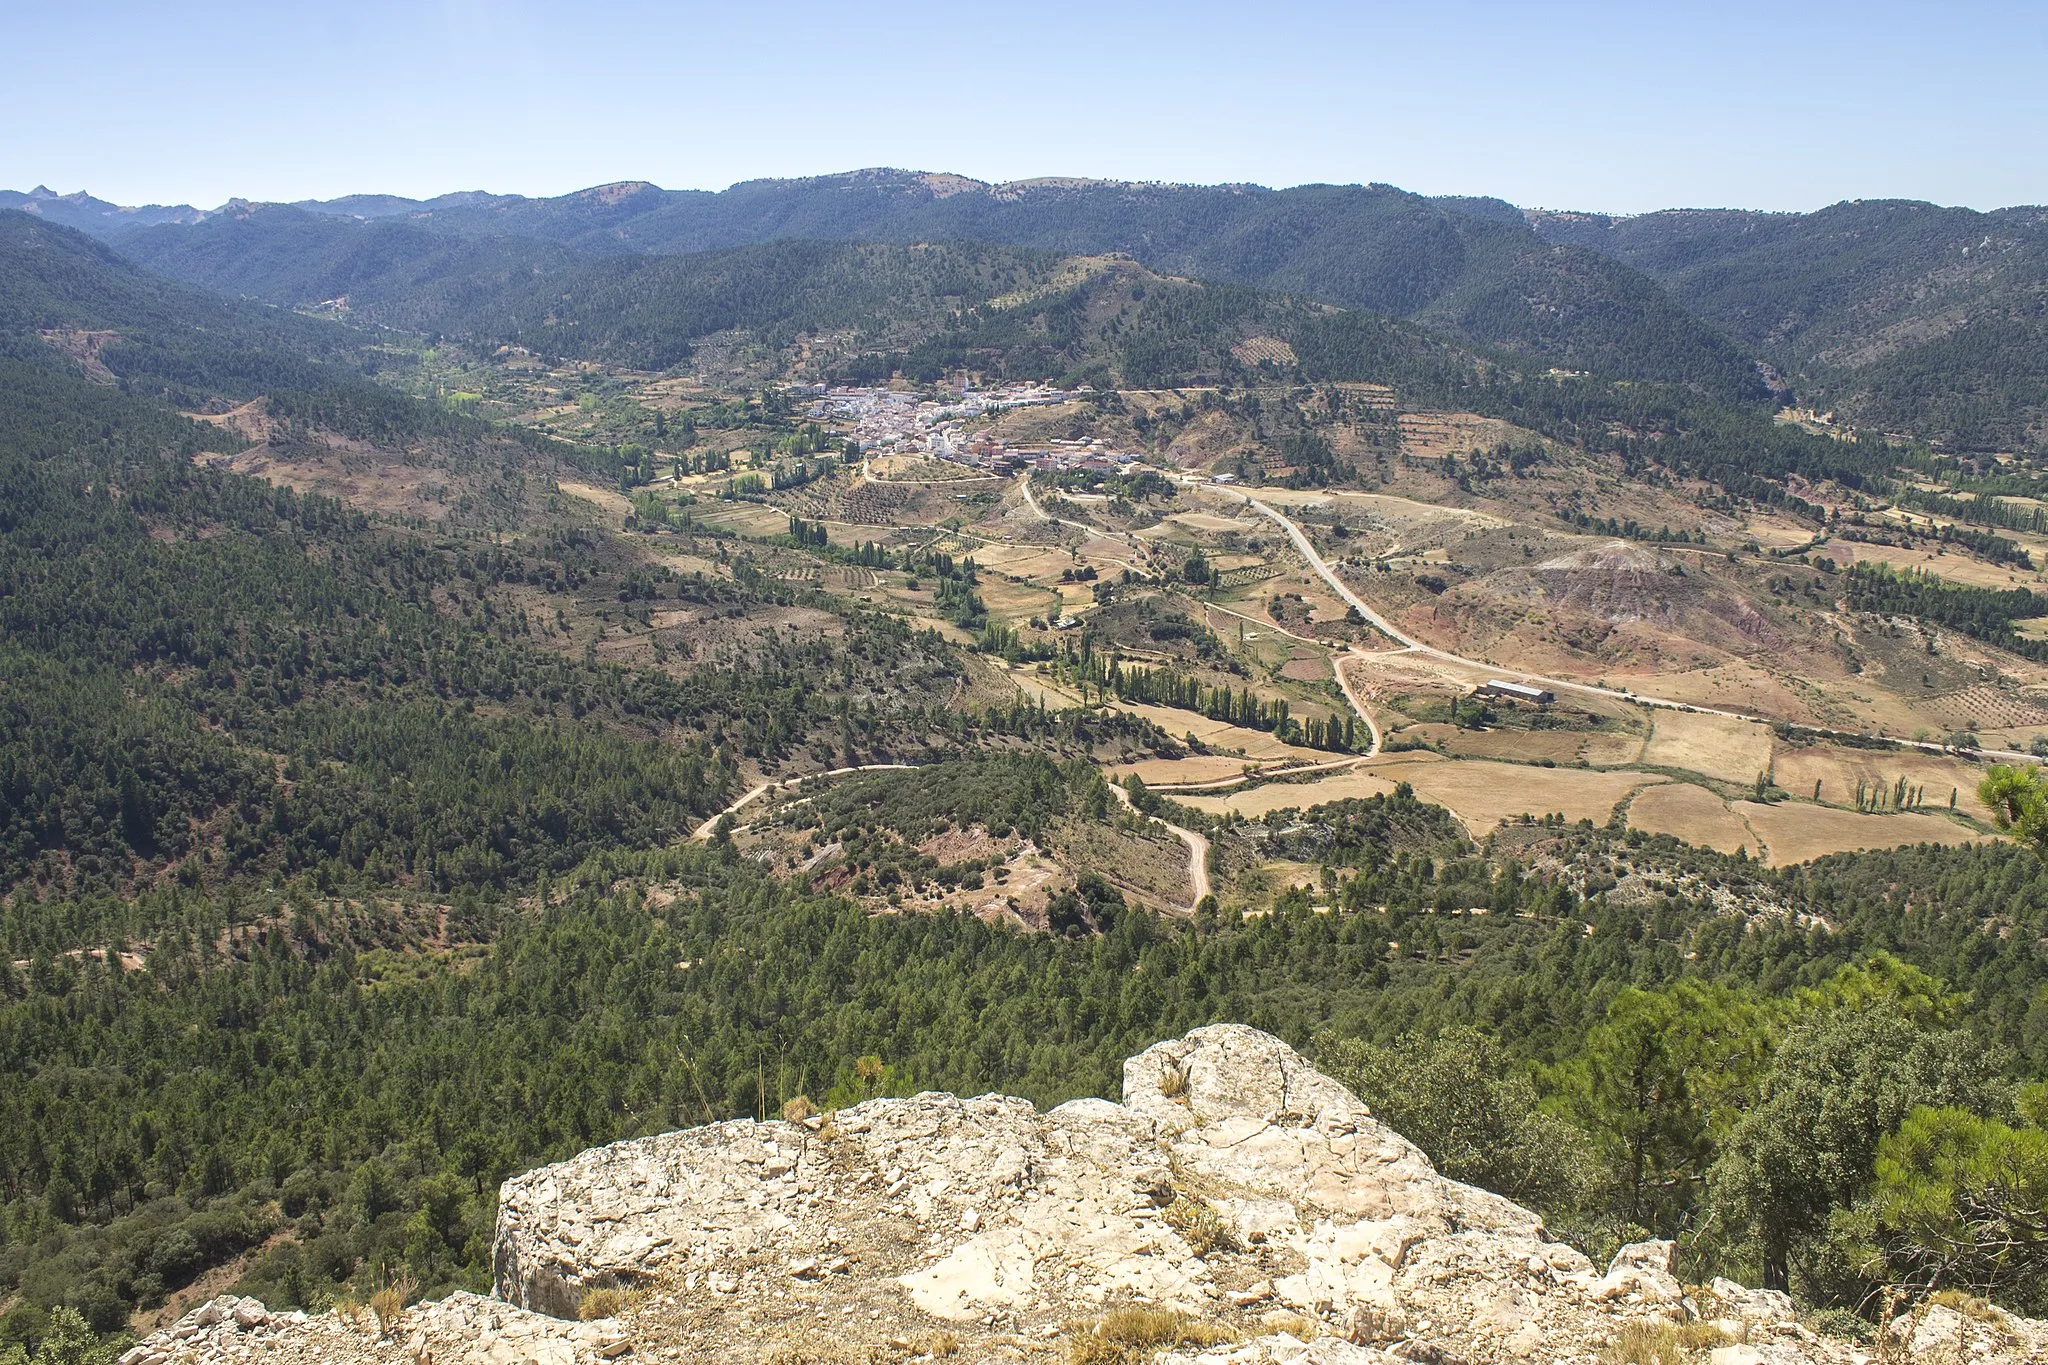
(1617, 107)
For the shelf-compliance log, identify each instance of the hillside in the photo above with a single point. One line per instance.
(1903, 315)
(74, 292)
(1012, 312)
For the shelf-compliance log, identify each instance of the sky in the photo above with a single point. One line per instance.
(1617, 108)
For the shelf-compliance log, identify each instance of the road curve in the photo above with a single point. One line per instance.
(1343, 590)
(1198, 851)
(703, 831)
(1197, 845)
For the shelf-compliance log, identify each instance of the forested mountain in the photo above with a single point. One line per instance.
(1904, 315)
(190, 653)
(923, 307)
(1907, 315)
(1466, 270)
(63, 290)
(396, 272)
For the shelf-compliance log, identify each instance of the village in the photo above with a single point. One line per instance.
(885, 421)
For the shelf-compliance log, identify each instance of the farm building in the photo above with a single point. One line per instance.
(1514, 691)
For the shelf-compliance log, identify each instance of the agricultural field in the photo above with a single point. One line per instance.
(1693, 814)
(1797, 832)
(1713, 746)
(1478, 577)
(1257, 802)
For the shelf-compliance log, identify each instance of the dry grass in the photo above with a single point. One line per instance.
(1297, 1325)
(1798, 832)
(610, 1301)
(388, 1303)
(1664, 1343)
(1128, 1336)
(1202, 768)
(1346, 785)
(609, 499)
(1838, 770)
(1483, 794)
(1198, 1224)
(352, 1312)
(1970, 1306)
(1715, 746)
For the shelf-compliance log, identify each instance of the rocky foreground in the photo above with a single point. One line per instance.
(1239, 1207)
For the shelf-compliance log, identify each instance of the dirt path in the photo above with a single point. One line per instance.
(1198, 851)
(1197, 845)
(1344, 684)
(1259, 775)
(1093, 532)
(703, 832)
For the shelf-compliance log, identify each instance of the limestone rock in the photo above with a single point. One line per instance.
(1235, 1190)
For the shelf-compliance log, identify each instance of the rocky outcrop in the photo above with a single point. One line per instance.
(1246, 1206)
(460, 1328)
(1235, 1184)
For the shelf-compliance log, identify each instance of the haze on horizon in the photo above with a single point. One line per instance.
(1588, 106)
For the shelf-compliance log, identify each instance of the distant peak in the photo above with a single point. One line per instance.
(617, 192)
(42, 192)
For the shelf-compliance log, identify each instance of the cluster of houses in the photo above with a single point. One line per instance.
(886, 420)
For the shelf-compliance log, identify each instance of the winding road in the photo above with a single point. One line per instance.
(1343, 590)
(1197, 845)
(1306, 548)
(1198, 851)
(703, 831)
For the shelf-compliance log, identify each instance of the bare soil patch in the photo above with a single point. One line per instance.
(607, 499)
(1354, 784)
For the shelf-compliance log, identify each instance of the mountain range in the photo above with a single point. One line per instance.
(1901, 316)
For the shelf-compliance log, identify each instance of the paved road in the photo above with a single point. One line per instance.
(1343, 590)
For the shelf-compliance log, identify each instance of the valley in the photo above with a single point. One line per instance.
(495, 678)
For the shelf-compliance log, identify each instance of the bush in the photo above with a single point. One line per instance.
(1840, 1322)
